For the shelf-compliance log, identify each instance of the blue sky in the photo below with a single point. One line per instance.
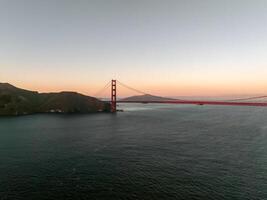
(188, 47)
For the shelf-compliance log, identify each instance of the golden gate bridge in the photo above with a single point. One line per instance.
(248, 101)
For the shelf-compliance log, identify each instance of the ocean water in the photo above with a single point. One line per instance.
(146, 152)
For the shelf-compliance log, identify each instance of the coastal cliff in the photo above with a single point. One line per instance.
(16, 101)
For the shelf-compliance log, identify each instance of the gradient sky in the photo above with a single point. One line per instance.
(165, 47)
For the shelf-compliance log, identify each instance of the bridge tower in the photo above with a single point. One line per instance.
(113, 96)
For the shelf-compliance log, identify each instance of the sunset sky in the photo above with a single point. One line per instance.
(164, 47)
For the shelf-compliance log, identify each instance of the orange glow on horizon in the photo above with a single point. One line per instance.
(181, 89)
(197, 83)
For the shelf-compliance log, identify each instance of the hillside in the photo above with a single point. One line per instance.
(16, 101)
(146, 97)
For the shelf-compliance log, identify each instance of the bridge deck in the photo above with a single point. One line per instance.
(234, 102)
(224, 103)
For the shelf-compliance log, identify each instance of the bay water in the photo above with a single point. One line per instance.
(146, 152)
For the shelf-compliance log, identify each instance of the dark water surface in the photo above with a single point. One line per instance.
(146, 152)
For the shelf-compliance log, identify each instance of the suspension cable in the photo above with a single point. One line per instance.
(130, 88)
(248, 98)
(103, 89)
(145, 93)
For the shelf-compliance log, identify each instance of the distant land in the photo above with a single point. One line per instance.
(146, 97)
(15, 101)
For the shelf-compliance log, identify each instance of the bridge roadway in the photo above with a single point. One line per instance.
(235, 102)
(224, 103)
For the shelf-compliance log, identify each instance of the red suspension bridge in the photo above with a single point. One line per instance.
(248, 101)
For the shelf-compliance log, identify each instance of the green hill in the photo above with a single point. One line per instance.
(16, 101)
